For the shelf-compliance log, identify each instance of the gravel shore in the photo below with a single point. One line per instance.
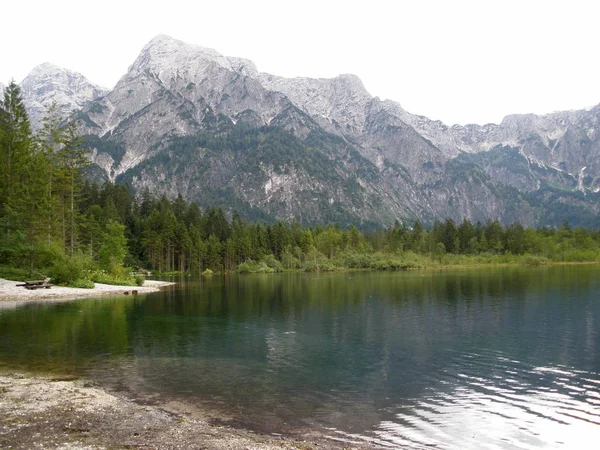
(71, 414)
(11, 294)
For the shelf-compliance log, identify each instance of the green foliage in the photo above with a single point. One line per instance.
(578, 255)
(272, 263)
(290, 262)
(19, 274)
(40, 182)
(66, 269)
(119, 279)
(113, 248)
(316, 261)
(534, 260)
(82, 283)
(254, 267)
(353, 260)
(387, 263)
(244, 267)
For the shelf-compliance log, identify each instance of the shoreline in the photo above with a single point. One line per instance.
(412, 269)
(66, 412)
(12, 295)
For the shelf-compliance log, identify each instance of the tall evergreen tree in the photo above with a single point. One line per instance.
(70, 158)
(20, 181)
(15, 143)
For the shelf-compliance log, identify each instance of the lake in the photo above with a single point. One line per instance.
(487, 358)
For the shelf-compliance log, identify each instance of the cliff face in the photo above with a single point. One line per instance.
(187, 119)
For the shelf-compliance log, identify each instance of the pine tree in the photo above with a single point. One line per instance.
(15, 143)
(114, 248)
(22, 170)
(70, 159)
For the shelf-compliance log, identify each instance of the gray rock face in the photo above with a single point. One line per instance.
(376, 162)
(565, 145)
(175, 89)
(47, 84)
(338, 105)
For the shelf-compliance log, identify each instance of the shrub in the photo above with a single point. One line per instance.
(208, 272)
(139, 280)
(357, 261)
(243, 268)
(254, 267)
(534, 260)
(101, 276)
(411, 260)
(580, 255)
(316, 262)
(262, 267)
(66, 270)
(272, 263)
(289, 261)
(82, 283)
(13, 273)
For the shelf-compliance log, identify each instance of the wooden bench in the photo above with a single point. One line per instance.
(36, 284)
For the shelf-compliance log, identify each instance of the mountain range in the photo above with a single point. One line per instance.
(186, 119)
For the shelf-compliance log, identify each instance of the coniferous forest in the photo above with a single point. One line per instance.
(55, 223)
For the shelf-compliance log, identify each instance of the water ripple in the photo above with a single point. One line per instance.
(515, 407)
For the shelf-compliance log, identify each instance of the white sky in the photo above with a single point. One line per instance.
(458, 61)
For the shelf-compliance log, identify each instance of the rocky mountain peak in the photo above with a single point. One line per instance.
(48, 83)
(48, 78)
(164, 55)
(46, 69)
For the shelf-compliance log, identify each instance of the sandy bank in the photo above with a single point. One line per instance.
(11, 293)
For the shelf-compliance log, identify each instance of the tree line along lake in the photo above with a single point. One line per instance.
(471, 358)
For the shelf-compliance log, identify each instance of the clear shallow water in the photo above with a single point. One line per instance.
(493, 358)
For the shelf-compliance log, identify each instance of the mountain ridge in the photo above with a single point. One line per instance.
(548, 166)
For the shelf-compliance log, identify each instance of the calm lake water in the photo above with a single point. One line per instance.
(492, 358)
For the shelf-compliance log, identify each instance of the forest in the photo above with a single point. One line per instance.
(53, 222)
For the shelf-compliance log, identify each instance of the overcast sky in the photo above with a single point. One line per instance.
(457, 61)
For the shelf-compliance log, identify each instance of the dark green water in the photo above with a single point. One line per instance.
(492, 358)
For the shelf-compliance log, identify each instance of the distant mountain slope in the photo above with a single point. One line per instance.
(187, 119)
